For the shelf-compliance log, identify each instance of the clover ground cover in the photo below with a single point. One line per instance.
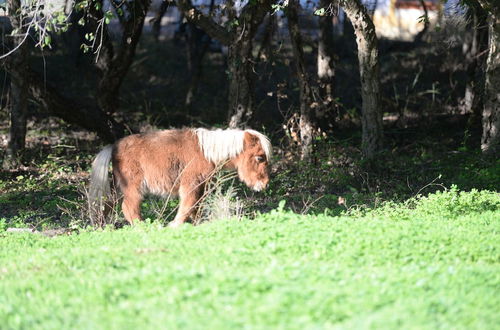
(432, 264)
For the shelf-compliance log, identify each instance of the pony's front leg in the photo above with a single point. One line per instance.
(188, 200)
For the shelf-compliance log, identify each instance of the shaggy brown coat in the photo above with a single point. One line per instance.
(173, 162)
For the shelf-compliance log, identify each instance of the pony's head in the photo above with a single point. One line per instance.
(247, 151)
(253, 162)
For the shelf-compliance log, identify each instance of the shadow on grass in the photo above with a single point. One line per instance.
(38, 209)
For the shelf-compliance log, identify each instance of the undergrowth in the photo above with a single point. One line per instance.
(449, 203)
(46, 192)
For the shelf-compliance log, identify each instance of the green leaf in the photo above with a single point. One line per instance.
(47, 40)
(85, 48)
(320, 12)
(81, 5)
(108, 16)
(61, 18)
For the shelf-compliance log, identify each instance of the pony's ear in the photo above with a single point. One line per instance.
(250, 139)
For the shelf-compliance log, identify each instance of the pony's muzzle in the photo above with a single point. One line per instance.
(259, 186)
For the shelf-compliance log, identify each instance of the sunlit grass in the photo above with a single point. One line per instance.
(425, 264)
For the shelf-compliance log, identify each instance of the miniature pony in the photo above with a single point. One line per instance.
(178, 162)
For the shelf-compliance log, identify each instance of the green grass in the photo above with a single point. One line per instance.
(429, 263)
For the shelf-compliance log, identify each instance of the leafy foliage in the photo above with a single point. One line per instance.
(450, 203)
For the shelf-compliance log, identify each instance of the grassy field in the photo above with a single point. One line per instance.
(431, 262)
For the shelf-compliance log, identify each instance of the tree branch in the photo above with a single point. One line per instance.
(206, 23)
(491, 6)
(88, 117)
(254, 12)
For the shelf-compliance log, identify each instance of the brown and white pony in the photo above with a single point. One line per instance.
(178, 162)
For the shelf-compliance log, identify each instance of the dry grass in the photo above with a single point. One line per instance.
(219, 201)
(84, 212)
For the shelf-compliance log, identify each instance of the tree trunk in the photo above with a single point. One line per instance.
(241, 82)
(241, 98)
(306, 125)
(18, 117)
(17, 66)
(475, 56)
(265, 49)
(114, 65)
(197, 43)
(490, 141)
(156, 21)
(366, 39)
(240, 59)
(326, 66)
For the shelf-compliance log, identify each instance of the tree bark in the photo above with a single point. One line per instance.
(241, 81)
(366, 39)
(326, 65)
(306, 124)
(490, 141)
(17, 65)
(475, 57)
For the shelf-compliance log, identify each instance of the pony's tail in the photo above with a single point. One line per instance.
(99, 189)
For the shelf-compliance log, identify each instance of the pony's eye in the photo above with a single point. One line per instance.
(260, 159)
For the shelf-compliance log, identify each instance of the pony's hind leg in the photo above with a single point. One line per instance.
(128, 178)
(188, 200)
(131, 205)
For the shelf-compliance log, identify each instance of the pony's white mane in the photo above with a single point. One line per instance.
(221, 145)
